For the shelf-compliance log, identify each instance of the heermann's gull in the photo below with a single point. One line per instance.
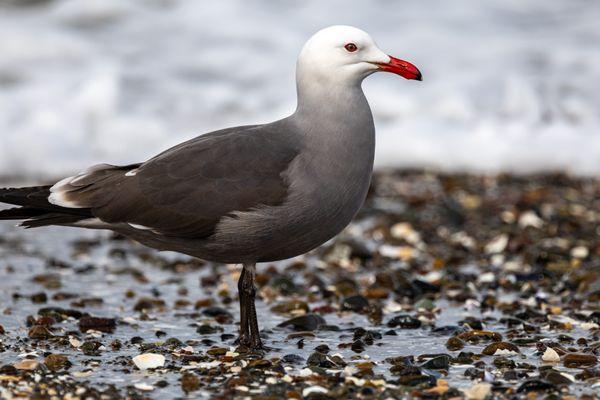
(247, 194)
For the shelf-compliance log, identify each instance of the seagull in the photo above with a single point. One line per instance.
(247, 194)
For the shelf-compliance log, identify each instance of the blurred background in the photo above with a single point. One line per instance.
(509, 85)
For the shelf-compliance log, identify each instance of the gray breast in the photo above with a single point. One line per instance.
(329, 181)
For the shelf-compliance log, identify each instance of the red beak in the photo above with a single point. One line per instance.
(402, 68)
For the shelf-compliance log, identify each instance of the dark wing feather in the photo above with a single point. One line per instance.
(186, 190)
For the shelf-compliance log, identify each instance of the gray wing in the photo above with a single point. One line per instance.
(186, 190)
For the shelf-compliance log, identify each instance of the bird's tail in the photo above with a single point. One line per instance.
(35, 210)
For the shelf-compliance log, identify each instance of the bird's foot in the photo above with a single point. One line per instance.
(248, 344)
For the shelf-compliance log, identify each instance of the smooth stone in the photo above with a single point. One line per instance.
(404, 321)
(492, 348)
(574, 360)
(308, 322)
(149, 361)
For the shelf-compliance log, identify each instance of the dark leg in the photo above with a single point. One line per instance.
(244, 332)
(248, 293)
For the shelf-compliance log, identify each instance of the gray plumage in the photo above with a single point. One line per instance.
(246, 194)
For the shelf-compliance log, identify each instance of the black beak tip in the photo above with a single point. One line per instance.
(419, 76)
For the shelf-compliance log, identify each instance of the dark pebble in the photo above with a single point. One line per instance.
(454, 344)
(536, 385)
(189, 382)
(216, 312)
(91, 348)
(356, 303)
(292, 359)
(56, 362)
(577, 360)
(308, 322)
(106, 325)
(504, 363)
(474, 373)
(491, 349)
(404, 321)
(439, 362)
(39, 333)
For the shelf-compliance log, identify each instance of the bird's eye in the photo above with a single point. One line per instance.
(351, 47)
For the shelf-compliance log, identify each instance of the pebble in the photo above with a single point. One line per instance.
(479, 391)
(498, 348)
(355, 303)
(454, 344)
(313, 389)
(106, 325)
(550, 355)
(404, 321)
(40, 333)
(144, 387)
(56, 362)
(308, 322)
(477, 335)
(26, 365)
(149, 361)
(578, 360)
(190, 382)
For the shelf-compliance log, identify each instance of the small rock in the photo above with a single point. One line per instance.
(26, 365)
(577, 360)
(478, 391)
(291, 307)
(356, 303)
(580, 252)
(216, 312)
(535, 385)
(91, 348)
(308, 322)
(56, 362)
(530, 218)
(550, 355)
(40, 333)
(439, 362)
(557, 378)
(404, 321)
(106, 325)
(189, 382)
(149, 361)
(144, 387)
(497, 244)
(313, 390)
(292, 359)
(499, 347)
(454, 344)
(477, 335)
(148, 303)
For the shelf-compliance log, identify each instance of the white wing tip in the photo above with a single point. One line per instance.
(58, 199)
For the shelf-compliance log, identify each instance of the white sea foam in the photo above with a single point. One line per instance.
(507, 84)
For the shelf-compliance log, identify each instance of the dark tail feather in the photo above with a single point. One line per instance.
(35, 208)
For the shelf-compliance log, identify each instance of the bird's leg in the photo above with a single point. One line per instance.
(250, 291)
(244, 331)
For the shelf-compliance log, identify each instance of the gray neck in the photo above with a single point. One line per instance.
(336, 118)
(336, 128)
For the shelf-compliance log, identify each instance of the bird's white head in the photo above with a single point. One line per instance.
(346, 55)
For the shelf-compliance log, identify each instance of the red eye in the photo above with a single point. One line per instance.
(351, 47)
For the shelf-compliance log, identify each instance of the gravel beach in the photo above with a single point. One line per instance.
(444, 286)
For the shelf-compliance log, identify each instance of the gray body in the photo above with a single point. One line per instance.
(240, 195)
(327, 179)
